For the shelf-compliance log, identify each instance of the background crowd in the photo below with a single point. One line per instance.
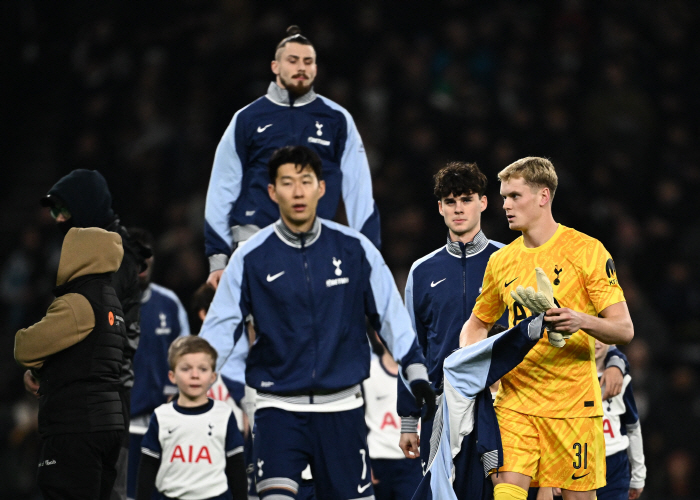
(143, 92)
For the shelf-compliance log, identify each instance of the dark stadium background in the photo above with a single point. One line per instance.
(142, 91)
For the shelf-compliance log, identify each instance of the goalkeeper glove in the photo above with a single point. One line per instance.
(539, 302)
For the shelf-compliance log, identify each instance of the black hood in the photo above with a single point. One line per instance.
(86, 195)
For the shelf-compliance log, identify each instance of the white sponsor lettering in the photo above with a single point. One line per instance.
(266, 384)
(337, 281)
(322, 142)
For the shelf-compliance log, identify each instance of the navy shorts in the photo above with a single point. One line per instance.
(334, 444)
(397, 479)
(617, 477)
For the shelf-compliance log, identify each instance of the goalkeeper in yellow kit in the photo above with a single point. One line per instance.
(549, 407)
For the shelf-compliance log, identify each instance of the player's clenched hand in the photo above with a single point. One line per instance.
(214, 278)
(30, 383)
(635, 493)
(564, 320)
(612, 380)
(409, 444)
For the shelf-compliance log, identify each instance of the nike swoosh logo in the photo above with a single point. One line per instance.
(508, 283)
(262, 129)
(361, 489)
(436, 283)
(170, 431)
(575, 477)
(273, 278)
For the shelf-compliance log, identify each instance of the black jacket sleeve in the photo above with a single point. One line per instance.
(126, 284)
(146, 479)
(237, 480)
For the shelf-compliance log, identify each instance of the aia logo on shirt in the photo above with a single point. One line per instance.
(608, 428)
(389, 421)
(180, 456)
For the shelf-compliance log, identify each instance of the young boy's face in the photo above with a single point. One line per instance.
(601, 350)
(193, 375)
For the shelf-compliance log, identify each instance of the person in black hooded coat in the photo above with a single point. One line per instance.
(82, 199)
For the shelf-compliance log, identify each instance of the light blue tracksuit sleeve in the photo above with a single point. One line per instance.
(406, 406)
(224, 189)
(360, 208)
(225, 320)
(390, 318)
(182, 318)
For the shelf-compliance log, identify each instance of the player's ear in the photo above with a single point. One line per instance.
(545, 196)
(440, 208)
(275, 66)
(321, 188)
(171, 376)
(272, 192)
(484, 202)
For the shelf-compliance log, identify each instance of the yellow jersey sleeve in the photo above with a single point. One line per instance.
(489, 305)
(600, 277)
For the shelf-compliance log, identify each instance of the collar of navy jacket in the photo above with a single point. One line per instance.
(281, 96)
(295, 239)
(475, 246)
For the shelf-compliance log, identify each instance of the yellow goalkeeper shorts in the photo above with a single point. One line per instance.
(566, 453)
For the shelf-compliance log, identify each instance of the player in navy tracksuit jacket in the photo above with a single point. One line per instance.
(442, 287)
(310, 283)
(291, 113)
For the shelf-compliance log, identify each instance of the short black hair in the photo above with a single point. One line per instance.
(496, 329)
(293, 36)
(458, 178)
(301, 156)
(143, 236)
(201, 299)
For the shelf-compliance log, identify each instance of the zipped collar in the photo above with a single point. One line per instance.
(475, 246)
(281, 96)
(294, 239)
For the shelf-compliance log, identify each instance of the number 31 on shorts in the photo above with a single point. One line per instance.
(581, 458)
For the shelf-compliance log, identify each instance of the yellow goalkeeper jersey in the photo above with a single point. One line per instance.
(552, 382)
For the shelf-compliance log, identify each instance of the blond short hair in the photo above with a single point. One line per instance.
(190, 345)
(538, 172)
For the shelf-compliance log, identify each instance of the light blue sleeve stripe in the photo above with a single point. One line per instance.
(357, 179)
(224, 322)
(441, 468)
(395, 323)
(468, 368)
(181, 312)
(234, 367)
(224, 184)
(408, 298)
(497, 244)
(184, 321)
